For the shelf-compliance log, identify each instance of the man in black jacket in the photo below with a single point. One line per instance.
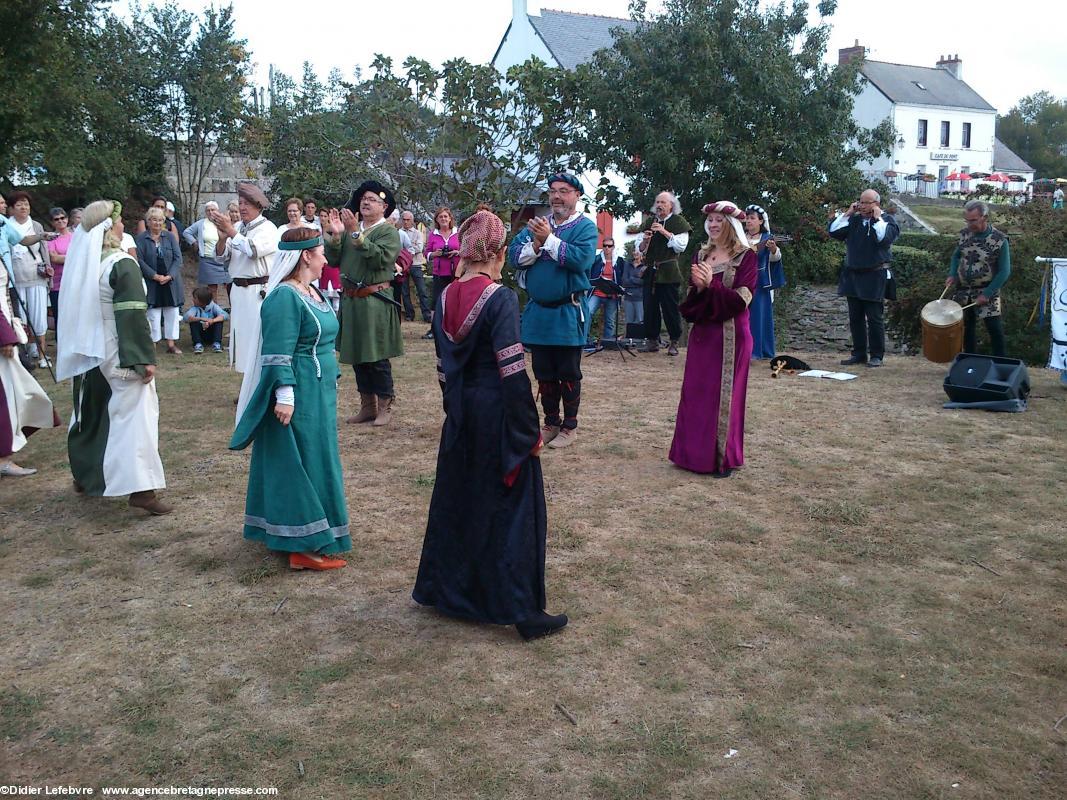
(868, 234)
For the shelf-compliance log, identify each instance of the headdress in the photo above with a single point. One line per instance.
(481, 236)
(762, 215)
(253, 194)
(565, 177)
(372, 186)
(81, 344)
(306, 244)
(734, 215)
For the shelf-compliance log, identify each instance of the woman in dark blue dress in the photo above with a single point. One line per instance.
(483, 557)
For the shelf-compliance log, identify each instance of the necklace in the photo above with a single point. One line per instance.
(300, 287)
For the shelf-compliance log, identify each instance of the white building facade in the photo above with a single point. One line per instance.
(564, 39)
(942, 126)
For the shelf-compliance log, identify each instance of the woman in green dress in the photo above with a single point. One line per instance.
(288, 412)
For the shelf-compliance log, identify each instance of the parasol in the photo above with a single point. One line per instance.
(999, 177)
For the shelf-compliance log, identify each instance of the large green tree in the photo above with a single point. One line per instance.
(70, 111)
(461, 135)
(1036, 129)
(726, 99)
(197, 73)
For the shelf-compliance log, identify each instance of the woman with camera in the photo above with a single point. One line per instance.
(442, 248)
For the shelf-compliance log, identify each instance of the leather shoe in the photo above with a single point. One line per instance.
(315, 562)
(149, 502)
(849, 362)
(673, 349)
(541, 625)
(875, 362)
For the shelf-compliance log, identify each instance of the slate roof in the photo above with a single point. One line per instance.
(899, 82)
(573, 38)
(1005, 160)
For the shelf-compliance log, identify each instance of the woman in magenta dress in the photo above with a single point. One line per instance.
(710, 428)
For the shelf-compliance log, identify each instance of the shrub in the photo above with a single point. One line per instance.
(812, 260)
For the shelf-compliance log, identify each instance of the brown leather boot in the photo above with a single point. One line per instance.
(149, 502)
(384, 405)
(368, 409)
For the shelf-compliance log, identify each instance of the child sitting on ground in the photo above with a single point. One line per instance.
(205, 321)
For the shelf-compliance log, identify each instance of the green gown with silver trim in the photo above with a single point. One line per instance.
(295, 501)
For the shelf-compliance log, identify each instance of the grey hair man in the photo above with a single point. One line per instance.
(665, 237)
(868, 234)
(981, 263)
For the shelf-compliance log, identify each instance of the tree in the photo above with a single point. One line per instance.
(462, 135)
(197, 77)
(70, 114)
(722, 99)
(1036, 129)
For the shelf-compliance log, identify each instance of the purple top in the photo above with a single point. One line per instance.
(59, 247)
(445, 267)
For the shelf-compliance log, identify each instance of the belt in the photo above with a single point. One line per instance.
(566, 301)
(666, 261)
(367, 291)
(245, 282)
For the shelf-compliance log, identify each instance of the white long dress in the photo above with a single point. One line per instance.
(113, 439)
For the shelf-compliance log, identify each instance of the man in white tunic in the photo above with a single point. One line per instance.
(249, 249)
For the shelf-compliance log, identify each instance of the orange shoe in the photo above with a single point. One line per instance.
(313, 561)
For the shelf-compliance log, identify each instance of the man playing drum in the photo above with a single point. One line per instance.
(981, 264)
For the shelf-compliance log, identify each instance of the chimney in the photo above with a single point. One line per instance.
(847, 54)
(952, 65)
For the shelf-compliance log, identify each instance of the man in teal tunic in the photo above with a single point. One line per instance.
(366, 248)
(552, 256)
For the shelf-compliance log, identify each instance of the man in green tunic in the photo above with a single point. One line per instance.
(366, 248)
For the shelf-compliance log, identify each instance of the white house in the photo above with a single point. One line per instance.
(564, 39)
(942, 125)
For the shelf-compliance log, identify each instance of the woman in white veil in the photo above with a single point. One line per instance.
(105, 346)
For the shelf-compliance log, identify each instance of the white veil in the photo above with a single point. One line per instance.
(81, 342)
(284, 262)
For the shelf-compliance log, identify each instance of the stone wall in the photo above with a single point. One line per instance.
(220, 184)
(814, 319)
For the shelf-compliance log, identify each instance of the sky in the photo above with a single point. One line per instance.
(1003, 59)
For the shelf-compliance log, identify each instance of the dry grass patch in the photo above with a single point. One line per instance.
(871, 608)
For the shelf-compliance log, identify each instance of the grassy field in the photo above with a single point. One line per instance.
(874, 607)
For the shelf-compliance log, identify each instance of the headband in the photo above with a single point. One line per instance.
(724, 207)
(116, 211)
(305, 244)
(762, 214)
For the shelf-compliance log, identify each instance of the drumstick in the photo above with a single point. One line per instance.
(970, 306)
(947, 287)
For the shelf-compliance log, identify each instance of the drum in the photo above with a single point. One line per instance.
(942, 322)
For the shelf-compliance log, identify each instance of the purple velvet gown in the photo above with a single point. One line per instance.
(710, 429)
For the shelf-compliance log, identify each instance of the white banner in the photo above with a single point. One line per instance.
(1058, 354)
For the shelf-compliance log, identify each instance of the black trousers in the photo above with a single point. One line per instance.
(661, 303)
(375, 377)
(865, 318)
(994, 327)
(414, 276)
(439, 284)
(558, 370)
(211, 335)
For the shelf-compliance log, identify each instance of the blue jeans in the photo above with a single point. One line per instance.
(611, 311)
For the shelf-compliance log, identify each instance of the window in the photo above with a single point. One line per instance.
(923, 88)
(922, 133)
(966, 134)
(944, 133)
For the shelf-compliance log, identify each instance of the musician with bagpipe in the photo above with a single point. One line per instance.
(770, 276)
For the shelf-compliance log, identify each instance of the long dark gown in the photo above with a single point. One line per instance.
(483, 557)
(709, 431)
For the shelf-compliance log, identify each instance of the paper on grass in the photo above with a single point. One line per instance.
(822, 373)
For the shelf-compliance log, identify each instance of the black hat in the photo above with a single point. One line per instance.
(372, 186)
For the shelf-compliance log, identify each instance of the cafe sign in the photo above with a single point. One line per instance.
(943, 156)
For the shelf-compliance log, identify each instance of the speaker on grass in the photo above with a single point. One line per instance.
(975, 378)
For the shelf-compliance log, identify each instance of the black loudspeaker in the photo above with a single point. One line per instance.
(975, 379)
